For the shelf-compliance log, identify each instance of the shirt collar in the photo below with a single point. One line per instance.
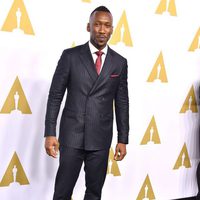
(93, 49)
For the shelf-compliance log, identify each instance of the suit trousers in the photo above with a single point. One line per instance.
(95, 167)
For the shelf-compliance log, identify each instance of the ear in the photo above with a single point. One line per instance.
(88, 27)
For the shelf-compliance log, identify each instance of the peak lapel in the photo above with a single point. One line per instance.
(103, 76)
(88, 62)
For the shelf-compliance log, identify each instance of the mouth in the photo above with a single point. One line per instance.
(101, 38)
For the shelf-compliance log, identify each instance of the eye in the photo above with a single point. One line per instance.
(97, 24)
(108, 25)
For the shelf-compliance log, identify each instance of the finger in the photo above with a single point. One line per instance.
(116, 154)
(56, 147)
(51, 152)
(121, 156)
(47, 148)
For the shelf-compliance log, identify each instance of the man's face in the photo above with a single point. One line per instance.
(100, 28)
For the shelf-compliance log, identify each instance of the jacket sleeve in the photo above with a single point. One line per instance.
(122, 107)
(56, 93)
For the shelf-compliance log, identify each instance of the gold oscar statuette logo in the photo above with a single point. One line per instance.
(146, 192)
(190, 103)
(86, 1)
(151, 135)
(14, 175)
(16, 101)
(167, 7)
(18, 20)
(122, 32)
(196, 42)
(113, 168)
(183, 160)
(73, 44)
(158, 73)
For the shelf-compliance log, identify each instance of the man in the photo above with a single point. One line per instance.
(94, 76)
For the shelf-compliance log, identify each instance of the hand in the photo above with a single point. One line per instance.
(51, 146)
(120, 151)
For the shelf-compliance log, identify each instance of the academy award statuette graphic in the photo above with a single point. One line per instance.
(14, 175)
(16, 102)
(86, 1)
(158, 73)
(113, 168)
(18, 20)
(151, 135)
(146, 192)
(190, 103)
(122, 32)
(167, 7)
(183, 160)
(73, 44)
(195, 45)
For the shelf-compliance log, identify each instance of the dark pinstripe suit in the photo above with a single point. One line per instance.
(87, 118)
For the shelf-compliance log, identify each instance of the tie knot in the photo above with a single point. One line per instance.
(99, 53)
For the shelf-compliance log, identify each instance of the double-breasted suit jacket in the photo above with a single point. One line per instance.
(87, 117)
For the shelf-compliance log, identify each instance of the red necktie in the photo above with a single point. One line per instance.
(98, 61)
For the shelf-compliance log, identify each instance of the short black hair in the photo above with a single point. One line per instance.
(100, 8)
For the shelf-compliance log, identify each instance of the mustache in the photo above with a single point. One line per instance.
(101, 36)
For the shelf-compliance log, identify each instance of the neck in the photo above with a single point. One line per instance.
(97, 46)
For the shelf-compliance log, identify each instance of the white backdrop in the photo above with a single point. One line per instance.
(160, 39)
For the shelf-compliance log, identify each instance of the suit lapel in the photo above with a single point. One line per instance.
(88, 62)
(104, 75)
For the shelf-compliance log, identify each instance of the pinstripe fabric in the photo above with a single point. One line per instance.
(71, 160)
(87, 118)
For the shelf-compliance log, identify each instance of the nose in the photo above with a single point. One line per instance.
(102, 29)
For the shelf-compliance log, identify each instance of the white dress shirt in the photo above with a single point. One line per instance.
(93, 51)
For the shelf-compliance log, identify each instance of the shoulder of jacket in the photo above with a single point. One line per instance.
(119, 56)
(72, 49)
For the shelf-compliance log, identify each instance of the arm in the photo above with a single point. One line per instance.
(122, 114)
(56, 93)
